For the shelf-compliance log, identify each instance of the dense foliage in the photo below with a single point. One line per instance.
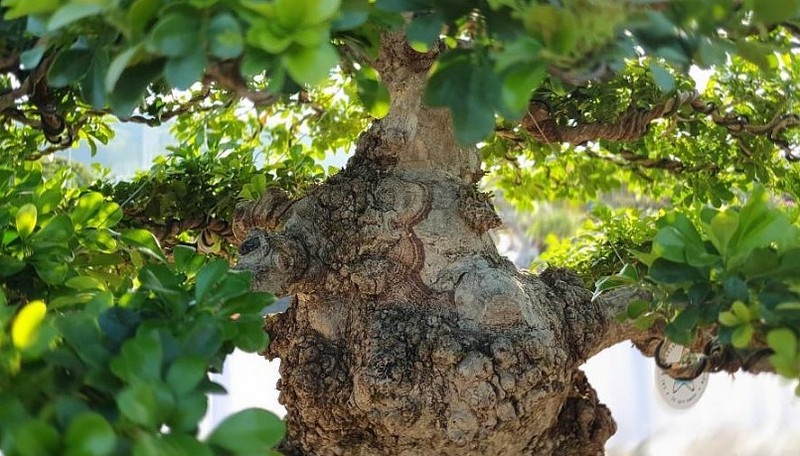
(103, 342)
(106, 338)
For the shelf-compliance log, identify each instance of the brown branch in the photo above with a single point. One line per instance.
(633, 124)
(9, 63)
(19, 116)
(27, 85)
(167, 231)
(710, 357)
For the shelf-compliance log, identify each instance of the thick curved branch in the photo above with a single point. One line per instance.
(630, 125)
(633, 124)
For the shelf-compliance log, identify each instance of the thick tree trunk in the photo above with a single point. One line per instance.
(409, 334)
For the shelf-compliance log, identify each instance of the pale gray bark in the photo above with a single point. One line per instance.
(409, 334)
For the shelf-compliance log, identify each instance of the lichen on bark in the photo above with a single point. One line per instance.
(408, 333)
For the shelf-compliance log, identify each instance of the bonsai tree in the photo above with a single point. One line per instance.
(407, 333)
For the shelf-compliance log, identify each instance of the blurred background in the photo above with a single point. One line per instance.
(738, 415)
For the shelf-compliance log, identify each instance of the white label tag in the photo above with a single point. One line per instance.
(680, 394)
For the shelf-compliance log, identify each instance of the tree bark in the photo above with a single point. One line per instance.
(408, 333)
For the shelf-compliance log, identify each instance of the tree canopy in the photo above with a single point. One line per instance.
(105, 307)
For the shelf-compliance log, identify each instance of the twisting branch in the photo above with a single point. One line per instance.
(167, 231)
(631, 125)
(61, 135)
(634, 123)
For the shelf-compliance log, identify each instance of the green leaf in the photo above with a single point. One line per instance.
(69, 66)
(226, 39)
(759, 226)
(204, 339)
(754, 52)
(311, 65)
(678, 242)
(189, 410)
(140, 359)
(26, 220)
(721, 229)
(609, 283)
(352, 14)
(141, 12)
(424, 30)
(129, 89)
(26, 324)
(208, 276)
(729, 319)
(637, 308)
(138, 403)
(399, 6)
(10, 266)
(90, 435)
(268, 37)
(172, 444)
(187, 260)
(317, 11)
(27, 7)
(670, 272)
(465, 83)
(94, 84)
(185, 374)
(174, 35)
(183, 71)
(742, 335)
(72, 12)
(522, 51)
(118, 66)
(783, 341)
(741, 311)
(773, 11)
(85, 283)
(792, 305)
(629, 271)
(30, 59)
(250, 431)
(373, 95)
(33, 438)
(161, 280)
(662, 77)
(736, 288)
(87, 208)
(251, 337)
(48, 200)
(107, 216)
(249, 303)
(50, 270)
(144, 241)
(687, 319)
(519, 82)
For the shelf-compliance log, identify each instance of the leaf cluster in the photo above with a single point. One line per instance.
(105, 346)
(731, 273)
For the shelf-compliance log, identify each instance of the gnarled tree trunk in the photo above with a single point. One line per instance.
(409, 334)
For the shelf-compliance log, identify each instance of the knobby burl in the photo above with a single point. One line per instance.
(409, 333)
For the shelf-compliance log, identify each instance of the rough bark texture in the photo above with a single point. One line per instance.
(409, 334)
